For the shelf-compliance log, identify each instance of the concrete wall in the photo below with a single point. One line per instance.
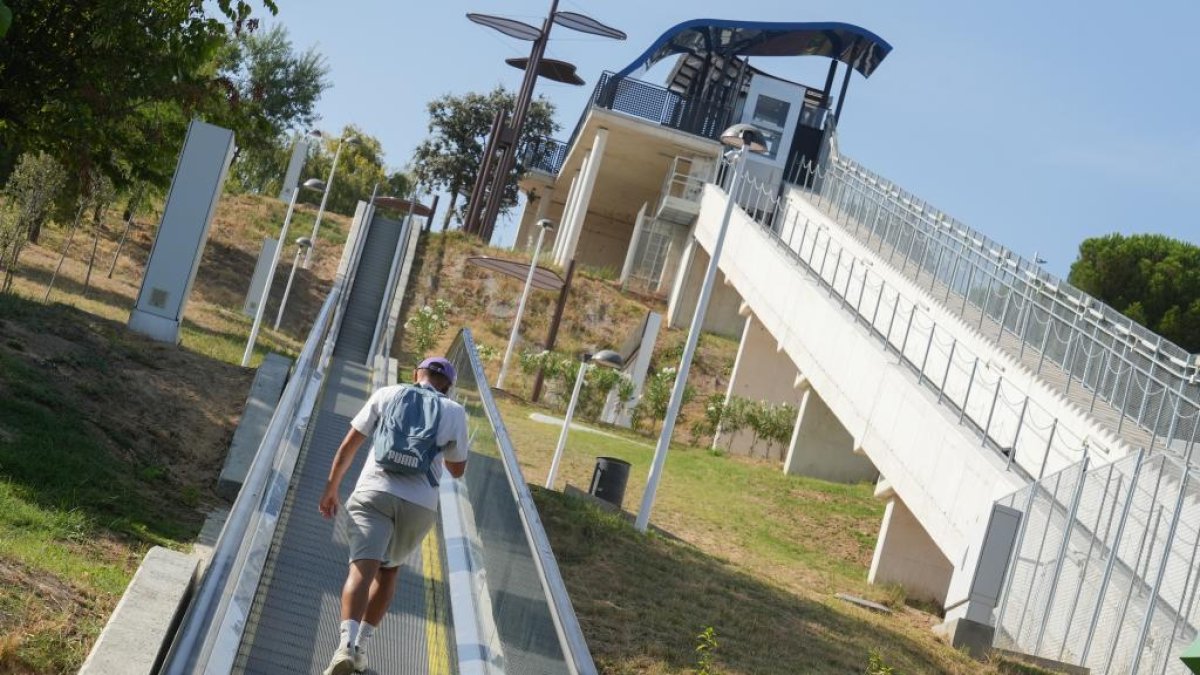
(905, 554)
(946, 479)
(762, 373)
(604, 241)
(722, 317)
(821, 447)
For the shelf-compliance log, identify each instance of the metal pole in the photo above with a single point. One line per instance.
(566, 427)
(1038, 557)
(1112, 556)
(1015, 557)
(516, 327)
(685, 363)
(970, 384)
(321, 210)
(555, 321)
(1017, 435)
(1162, 571)
(266, 290)
(66, 247)
(1068, 525)
(991, 411)
(1049, 444)
(946, 374)
(287, 289)
(1087, 559)
(121, 243)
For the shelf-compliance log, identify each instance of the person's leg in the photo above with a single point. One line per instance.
(380, 596)
(358, 588)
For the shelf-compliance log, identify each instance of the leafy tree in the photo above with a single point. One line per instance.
(450, 158)
(29, 193)
(105, 84)
(359, 170)
(1151, 278)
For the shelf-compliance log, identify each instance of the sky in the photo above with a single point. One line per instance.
(1039, 123)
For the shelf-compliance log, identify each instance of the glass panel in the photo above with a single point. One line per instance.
(771, 111)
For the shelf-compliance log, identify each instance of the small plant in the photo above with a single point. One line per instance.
(487, 353)
(876, 665)
(426, 328)
(656, 397)
(706, 647)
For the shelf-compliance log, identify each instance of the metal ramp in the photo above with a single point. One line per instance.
(477, 597)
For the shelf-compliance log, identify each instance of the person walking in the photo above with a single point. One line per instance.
(415, 431)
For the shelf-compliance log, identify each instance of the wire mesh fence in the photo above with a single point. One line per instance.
(1144, 388)
(1104, 573)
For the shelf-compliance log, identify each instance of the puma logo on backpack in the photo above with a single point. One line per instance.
(405, 440)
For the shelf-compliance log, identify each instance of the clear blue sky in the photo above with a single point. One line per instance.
(1040, 123)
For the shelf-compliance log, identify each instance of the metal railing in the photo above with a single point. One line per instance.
(1031, 439)
(1143, 387)
(1104, 572)
(211, 629)
(545, 155)
(532, 617)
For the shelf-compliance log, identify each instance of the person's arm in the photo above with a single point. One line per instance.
(458, 449)
(341, 463)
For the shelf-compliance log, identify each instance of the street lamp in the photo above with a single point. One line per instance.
(739, 137)
(352, 140)
(605, 358)
(310, 184)
(302, 243)
(544, 226)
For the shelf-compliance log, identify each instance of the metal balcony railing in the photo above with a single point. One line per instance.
(545, 155)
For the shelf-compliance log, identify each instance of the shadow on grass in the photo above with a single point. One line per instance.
(99, 422)
(642, 600)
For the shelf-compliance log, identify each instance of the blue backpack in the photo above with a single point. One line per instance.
(405, 440)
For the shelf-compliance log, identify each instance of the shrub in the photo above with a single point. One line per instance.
(426, 328)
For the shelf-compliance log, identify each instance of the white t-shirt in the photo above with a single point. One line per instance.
(451, 437)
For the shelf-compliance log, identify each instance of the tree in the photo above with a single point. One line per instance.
(29, 193)
(1151, 278)
(359, 170)
(276, 90)
(450, 158)
(105, 84)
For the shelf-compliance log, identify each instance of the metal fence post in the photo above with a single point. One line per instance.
(1068, 526)
(991, 411)
(925, 359)
(1016, 555)
(970, 385)
(1162, 569)
(1086, 562)
(1038, 557)
(912, 312)
(1049, 443)
(946, 375)
(1017, 435)
(1112, 556)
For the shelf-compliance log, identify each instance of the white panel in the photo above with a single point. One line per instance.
(261, 269)
(191, 204)
(292, 178)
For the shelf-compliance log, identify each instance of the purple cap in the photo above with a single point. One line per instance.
(436, 364)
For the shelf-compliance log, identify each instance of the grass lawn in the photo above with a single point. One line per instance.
(744, 549)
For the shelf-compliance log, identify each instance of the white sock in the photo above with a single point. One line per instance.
(349, 632)
(364, 634)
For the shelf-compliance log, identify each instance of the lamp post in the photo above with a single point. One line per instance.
(740, 137)
(605, 358)
(544, 226)
(352, 140)
(302, 243)
(310, 184)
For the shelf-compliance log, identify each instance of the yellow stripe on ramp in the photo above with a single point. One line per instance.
(436, 612)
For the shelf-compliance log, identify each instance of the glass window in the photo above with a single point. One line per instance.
(771, 111)
(773, 139)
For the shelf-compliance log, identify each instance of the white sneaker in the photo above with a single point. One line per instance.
(342, 662)
(360, 659)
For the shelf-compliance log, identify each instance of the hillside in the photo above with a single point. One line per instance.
(109, 442)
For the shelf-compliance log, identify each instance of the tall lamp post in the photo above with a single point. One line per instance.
(605, 358)
(544, 226)
(310, 184)
(352, 140)
(302, 243)
(501, 152)
(740, 137)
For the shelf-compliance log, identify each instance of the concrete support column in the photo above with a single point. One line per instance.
(906, 555)
(527, 235)
(762, 373)
(821, 446)
(587, 182)
(723, 305)
(631, 252)
(568, 210)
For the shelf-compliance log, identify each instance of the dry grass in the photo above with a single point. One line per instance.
(109, 442)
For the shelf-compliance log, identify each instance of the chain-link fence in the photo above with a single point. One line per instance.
(1104, 573)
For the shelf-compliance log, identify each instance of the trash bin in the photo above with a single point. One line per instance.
(608, 480)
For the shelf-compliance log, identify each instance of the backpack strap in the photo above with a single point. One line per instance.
(437, 396)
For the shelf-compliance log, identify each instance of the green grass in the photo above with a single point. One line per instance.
(743, 548)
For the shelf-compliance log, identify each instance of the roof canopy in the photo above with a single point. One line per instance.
(857, 47)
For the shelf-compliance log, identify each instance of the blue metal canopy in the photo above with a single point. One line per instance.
(857, 47)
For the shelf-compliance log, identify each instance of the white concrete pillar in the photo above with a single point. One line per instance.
(722, 317)
(631, 252)
(682, 284)
(821, 447)
(587, 184)
(761, 372)
(568, 207)
(906, 555)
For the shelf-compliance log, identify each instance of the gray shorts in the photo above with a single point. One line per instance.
(385, 527)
